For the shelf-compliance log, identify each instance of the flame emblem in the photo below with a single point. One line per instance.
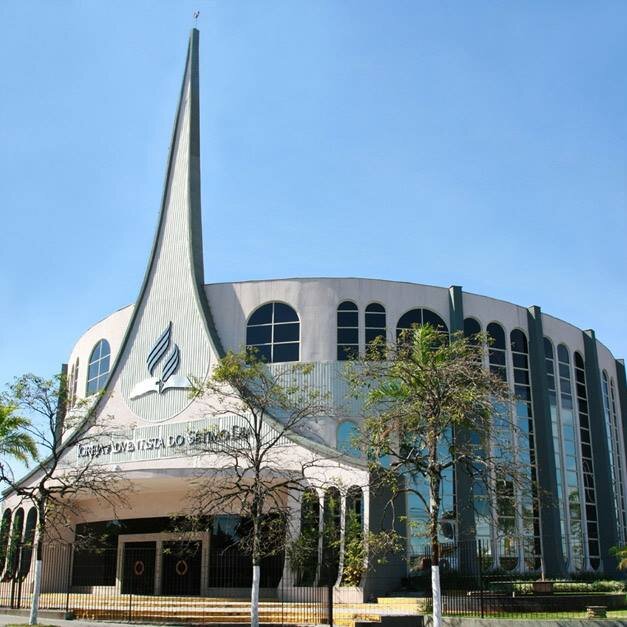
(171, 365)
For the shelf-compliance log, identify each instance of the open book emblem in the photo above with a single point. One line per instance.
(168, 379)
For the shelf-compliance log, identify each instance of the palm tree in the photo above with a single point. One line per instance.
(14, 440)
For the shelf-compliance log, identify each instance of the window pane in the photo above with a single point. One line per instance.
(346, 352)
(263, 315)
(375, 307)
(286, 332)
(262, 353)
(92, 371)
(347, 319)
(347, 336)
(495, 331)
(519, 341)
(284, 313)
(429, 317)
(347, 305)
(411, 317)
(286, 352)
(375, 320)
(259, 335)
(373, 334)
(104, 364)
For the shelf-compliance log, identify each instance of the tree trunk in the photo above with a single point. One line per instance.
(254, 597)
(37, 582)
(436, 592)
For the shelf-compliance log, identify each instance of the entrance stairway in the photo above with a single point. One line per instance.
(213, 610)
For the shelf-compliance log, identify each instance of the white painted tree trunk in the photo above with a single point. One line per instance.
(254, 597)
(437, 596)
(36, 592)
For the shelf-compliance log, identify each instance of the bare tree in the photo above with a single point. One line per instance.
(421, 392)
(266, 411)
(65, 471)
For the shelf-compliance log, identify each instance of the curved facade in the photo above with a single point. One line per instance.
(571, 393)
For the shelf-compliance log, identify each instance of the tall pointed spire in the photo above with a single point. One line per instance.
(171, 335)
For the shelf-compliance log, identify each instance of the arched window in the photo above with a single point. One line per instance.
(347, 432)
(347, 331)
(5, 528)
(471, 328)
(13, 553)
(273, 332)
(98, 368)
(497, 350)
(375, 330)
(587, 463)
(27, 542)
(417, 317)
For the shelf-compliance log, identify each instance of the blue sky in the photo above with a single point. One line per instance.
(474, 143)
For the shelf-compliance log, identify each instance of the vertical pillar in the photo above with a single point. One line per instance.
(602, 475)
(621, 382)
(464, 503)
(340, 568)
(550, 530)
(158, 566)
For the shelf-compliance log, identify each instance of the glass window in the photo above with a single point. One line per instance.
(273, 332)
(496, 351)
(5, 528)
(27, 542)
(13, 552)
(72, 385)
(416, 317)
(471, 328)
(375, 329)
(530, 520)
(347, 331)
(98, 368)
(347, 432)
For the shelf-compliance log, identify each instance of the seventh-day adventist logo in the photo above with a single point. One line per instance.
(168, 378)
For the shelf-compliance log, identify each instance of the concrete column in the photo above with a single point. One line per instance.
(340, 568)
(464, 504)
(606, 511)
(550, 530)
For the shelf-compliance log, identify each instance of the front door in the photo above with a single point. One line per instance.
(181, 568)
(139, 568)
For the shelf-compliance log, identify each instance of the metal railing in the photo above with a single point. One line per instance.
(175, 581)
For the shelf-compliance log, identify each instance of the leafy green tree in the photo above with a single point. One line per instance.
(15, 441)
(420, 392)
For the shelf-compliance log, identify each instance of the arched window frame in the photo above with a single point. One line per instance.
(375, 319)
(347, 316)
(281, 337)
(439, 321)
(343, 446)
(15, 539)
(98, 367)
(5, 537)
